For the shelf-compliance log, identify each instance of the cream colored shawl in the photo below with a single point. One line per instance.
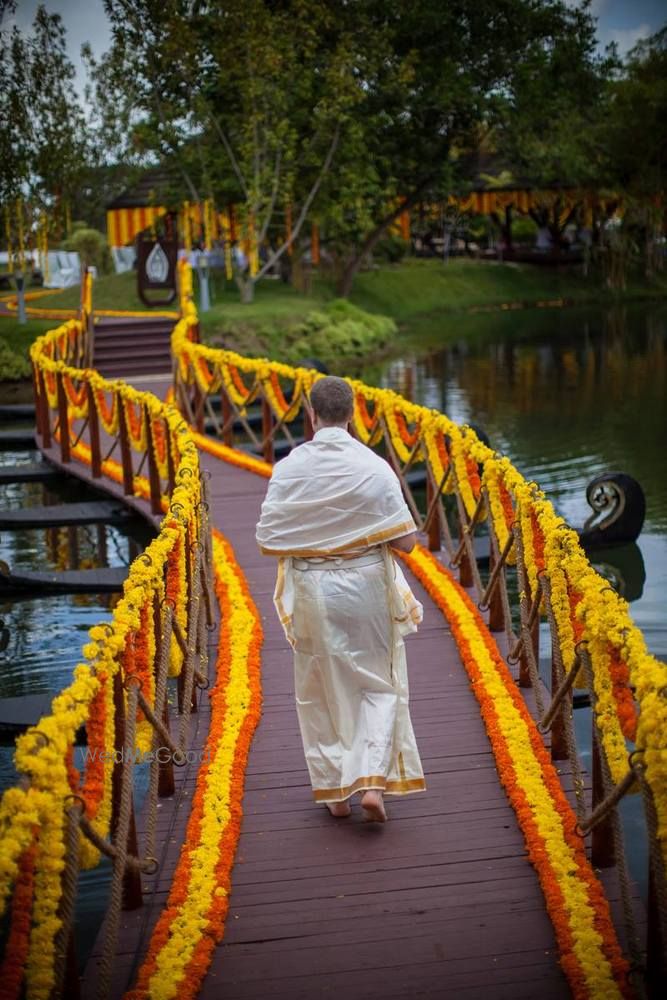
(333, 496)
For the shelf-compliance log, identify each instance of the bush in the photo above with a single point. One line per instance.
(524, 229)
(391, 249)
(92, 246)
(13, 366)
(340, 335)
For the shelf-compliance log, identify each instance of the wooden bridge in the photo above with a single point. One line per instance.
(235, 884)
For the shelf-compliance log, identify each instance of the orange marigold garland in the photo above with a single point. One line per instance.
(15, 958)
(590, 954)
(176, 962)
(231, 456)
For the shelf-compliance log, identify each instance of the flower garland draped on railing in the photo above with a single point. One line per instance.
(594, 641)
(122, 664)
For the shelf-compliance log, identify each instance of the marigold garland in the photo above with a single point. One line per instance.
(548, 546)
(12, 970)
(88, 700)
(590, 954)
(192, 923)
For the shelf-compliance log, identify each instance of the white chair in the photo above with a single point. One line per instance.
(123, 259)
(64, 269)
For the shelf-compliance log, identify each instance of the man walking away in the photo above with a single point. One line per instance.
(332, 513)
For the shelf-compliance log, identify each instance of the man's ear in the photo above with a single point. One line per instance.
(309, 410)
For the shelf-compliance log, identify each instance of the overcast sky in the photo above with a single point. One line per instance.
(620, 21)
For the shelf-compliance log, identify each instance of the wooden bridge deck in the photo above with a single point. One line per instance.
(440, 902)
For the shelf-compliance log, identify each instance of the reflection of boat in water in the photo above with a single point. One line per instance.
(623, 566)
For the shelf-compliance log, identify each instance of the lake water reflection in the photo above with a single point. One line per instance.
(567, 394)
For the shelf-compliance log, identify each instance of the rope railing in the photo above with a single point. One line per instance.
(537, 573)
(60, 818)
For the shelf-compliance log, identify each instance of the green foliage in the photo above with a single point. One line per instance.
(391, 249)
(545, 124)
(339, 334)
(13, 366)
(42, 128)
(523, 229)
(633, 132)
(92, 246)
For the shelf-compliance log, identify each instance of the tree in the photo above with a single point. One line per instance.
(347, 110)
(43, 147)
(246, 98)
(546, 125)
(635, 143)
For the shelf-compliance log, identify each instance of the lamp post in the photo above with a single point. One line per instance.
(204, 295)
(19, 280)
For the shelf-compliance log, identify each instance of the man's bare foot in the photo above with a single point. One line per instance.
(339, 809)
(373, 807)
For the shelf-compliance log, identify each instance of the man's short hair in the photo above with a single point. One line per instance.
(332, 400)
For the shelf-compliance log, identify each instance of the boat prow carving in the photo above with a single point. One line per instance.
(619, 509)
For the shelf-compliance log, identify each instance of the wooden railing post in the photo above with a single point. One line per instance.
(153, 474)
(465, 569)
(125, 449)
(132, 896)
(198, 398)
(656, 947)
(558, 742)
(38, 401)
(171, 472)
(602, 842)
(226, 410)
(496, 611)
(166, 785)
(46, 411)
(63, 422)
(94, 433)
(267, 426)
(433, 526)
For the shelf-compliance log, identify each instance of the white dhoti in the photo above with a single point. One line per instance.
(351, 679)
(331, 508)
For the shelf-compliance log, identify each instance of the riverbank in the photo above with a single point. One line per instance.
(424, 295)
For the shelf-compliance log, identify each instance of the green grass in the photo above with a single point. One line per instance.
(275, 305)
(418, 294)
(416, 287)
(20, 337)
(111, 291)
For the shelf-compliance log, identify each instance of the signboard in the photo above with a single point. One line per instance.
(156, 269)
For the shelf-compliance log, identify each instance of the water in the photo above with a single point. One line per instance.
(45, 634)
(566, 394)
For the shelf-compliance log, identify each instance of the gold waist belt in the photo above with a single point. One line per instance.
(338, 562)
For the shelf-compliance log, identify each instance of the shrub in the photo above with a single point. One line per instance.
(340, 335)
(13, 366)
(391, 249)
(92, 246)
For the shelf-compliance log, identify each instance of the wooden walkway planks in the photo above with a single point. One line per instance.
(440, 902)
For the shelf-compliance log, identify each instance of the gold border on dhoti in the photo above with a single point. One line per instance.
(402, 786)
(375, 539)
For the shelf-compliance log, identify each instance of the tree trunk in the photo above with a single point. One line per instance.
(246, 286)
(352, 266)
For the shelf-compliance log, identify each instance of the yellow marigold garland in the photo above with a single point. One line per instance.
(590, 953)
(43, 753)
(192, 923)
